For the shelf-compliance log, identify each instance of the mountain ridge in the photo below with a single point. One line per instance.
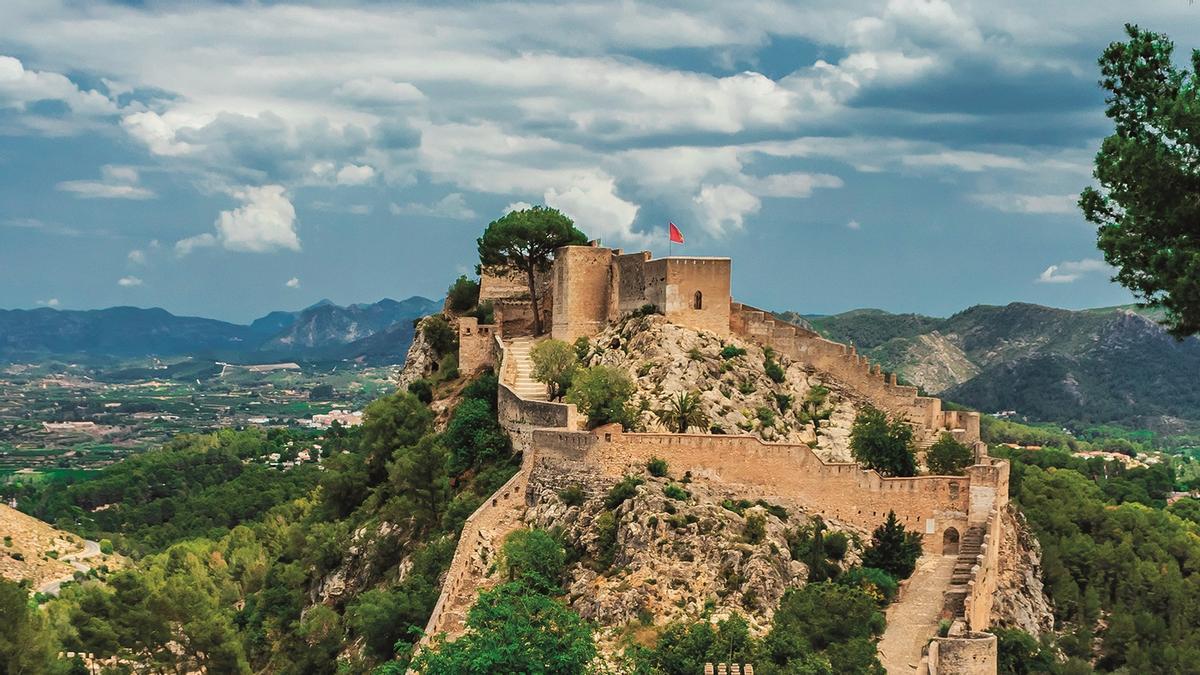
(321, 331)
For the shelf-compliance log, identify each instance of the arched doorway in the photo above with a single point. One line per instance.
(950, 541)
(698, 301)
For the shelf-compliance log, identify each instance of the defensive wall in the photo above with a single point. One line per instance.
(970, 653)
(856, 371)
(778, 472)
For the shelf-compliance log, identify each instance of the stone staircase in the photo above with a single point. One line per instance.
(969, 549)
(523, 383)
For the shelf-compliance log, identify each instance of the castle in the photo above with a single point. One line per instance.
(590, 287)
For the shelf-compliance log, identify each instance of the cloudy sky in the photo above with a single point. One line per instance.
(228, 159)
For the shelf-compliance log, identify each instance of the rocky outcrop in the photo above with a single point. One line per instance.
(671, 559)
(419, 362)
(736, 394)
(1021, 601)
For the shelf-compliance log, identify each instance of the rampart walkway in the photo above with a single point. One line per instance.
(913, 619)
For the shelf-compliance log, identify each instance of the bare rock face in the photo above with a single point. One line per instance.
(735, 392)
(671, 559)
(356, 571)
(1021, 601)
(420, 360)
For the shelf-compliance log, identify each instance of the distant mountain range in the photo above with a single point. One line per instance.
(380, 331)
(1093, 366)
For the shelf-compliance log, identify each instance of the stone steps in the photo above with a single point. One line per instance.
(523, 383)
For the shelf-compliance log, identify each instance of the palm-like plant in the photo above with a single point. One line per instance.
(813, 408)
(683, 412)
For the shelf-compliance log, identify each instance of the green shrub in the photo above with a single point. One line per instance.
(657, 467)
(765, 416)
(673, 491)
(583, 348)
(646, 310)
(732, 352)
(606, 540)
(877, 583)
(756, 528)
(106, 546)
(883, 444)
(948, 457)
(535, 558)
(422, 389)
(774, 371)
(572, 495)
(554, 364)
(439, 334)
(621, 491)
(463, 294)
(695, 355)
(602, 393)
(893, 549)
(485, 313)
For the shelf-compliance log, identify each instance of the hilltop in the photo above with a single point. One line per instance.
(1108, 365)
(32, 549)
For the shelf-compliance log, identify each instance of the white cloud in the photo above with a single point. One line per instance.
(792, 184)
(516, 206)
(20, 87)
(137, 256)
(353, 174)
(1017, 203)
(264, 222)
(127, 282)
(379, 91)
(591, 201)
(52, 302)
(853, 225)
(186, 246)
(452, 206)
(116, 182)
(1071, 270)
(722, 208)
(294, 282)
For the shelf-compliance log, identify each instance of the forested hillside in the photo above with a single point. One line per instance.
(1086, 367)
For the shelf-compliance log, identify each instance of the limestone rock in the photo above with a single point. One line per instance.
(1021, 601)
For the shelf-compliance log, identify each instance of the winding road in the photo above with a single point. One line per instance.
(91, 549)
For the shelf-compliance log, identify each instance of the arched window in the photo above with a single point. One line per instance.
(698, 301)
(950, 541)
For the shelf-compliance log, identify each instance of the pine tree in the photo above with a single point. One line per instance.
(893, 549)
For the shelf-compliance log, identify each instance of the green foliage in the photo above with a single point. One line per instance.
(814, 407)
(535, 558)
(25, 643)
(1146, 169)
(390, 423)
(1187, 508)
(602, 393)
(1134, 565)
(554, 364)
(422, 389)
(873, 581)
(756, 528)
(485, 387)
(673, 491)
(645, 310)
(463, 294)
(808, 544)
(438, 333)
(683, 411)
(772, 368)
(418, 484)
(321, 392)
(384, 617)
(823, 623)
(683, 649)
(526, 240)
(106, 546)
(514, 629)
(342, 483)
(474, 436)
(657, 467)
(732, 352)
(606, 527)
(622, 491)
(893, 549)
(882, 444)
(583, 348)
(1020, 654)
(948, 457)
(572, 495)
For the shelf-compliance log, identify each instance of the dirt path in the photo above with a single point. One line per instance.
(913, 620)
(91, 549)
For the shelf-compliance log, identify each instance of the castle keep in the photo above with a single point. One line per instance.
(589, 288)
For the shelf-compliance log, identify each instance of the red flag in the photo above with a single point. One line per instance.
(676, 235)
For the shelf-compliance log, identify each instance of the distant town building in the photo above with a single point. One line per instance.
(343, 417)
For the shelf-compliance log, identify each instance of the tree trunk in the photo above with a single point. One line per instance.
(537, 316)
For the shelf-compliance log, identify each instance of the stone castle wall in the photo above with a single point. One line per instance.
(692, 292)
(474, 345)
(967, 654)
(580, 284)
(784, 473)
(845, 364)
